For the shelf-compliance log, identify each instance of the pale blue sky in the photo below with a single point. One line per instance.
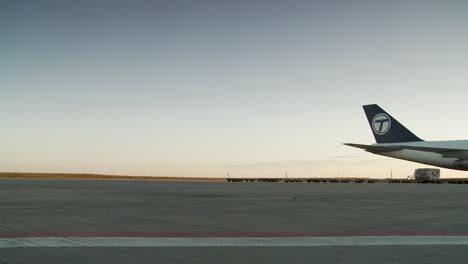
(196, 88)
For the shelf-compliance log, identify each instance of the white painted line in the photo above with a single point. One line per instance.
(19, 207)
(231, 242)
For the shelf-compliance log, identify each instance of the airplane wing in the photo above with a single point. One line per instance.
(445, 152)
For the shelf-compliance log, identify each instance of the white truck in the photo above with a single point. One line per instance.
(427, 175)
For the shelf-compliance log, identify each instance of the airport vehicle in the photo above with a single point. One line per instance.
(427, 175)
(396, 141)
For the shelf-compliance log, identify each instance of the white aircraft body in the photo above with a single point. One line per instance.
(396, 141)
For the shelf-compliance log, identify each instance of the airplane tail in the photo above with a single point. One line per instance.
(387, 129)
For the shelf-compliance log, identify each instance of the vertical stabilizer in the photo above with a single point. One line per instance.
(385, 128)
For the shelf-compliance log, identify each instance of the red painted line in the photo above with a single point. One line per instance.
(164, 234)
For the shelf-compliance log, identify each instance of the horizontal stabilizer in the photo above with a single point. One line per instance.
(374, 148)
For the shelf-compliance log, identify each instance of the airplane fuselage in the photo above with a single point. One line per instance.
(430, 158)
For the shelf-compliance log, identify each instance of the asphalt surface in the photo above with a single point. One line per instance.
(55, 207)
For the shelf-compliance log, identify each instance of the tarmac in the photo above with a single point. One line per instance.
(110, 221)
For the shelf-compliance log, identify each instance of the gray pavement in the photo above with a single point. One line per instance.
(149, 206)
(358, 255)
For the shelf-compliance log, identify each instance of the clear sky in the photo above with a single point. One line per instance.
(197, 88)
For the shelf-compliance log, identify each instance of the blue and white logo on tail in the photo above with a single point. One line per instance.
(381, 123)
